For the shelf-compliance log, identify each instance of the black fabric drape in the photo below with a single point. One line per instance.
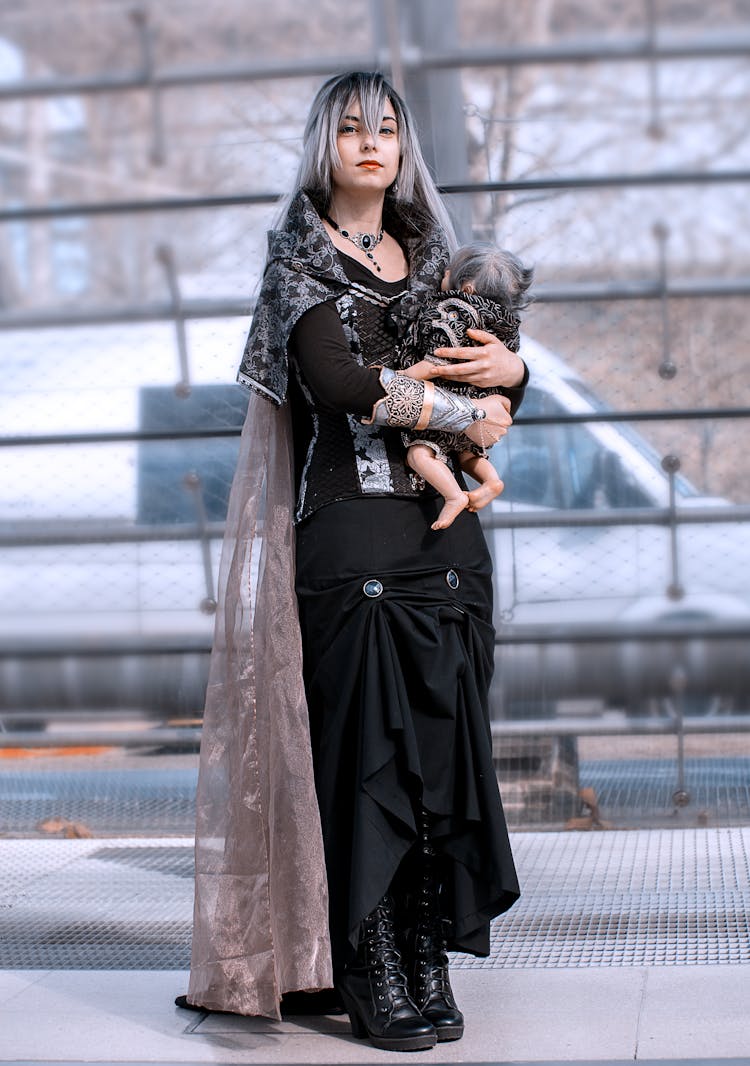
(397, 691)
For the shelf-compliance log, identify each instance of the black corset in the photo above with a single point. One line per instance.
(337, 457)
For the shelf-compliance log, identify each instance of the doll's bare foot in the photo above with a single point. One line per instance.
(480, 497)
(452, 508)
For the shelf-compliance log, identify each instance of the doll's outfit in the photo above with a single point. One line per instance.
(442, 321)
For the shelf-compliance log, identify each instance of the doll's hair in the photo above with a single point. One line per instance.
(492, 272)
(414, 192)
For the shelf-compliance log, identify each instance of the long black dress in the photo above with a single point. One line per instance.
(398, 649)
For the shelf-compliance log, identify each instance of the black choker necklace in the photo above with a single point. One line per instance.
(364, 241)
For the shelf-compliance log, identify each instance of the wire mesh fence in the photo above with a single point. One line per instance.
(140, 171)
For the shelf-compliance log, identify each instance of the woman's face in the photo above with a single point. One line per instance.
(368, 163)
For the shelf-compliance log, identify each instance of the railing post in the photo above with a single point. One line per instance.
(675, 590)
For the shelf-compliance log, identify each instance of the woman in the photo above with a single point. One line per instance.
(395, 622)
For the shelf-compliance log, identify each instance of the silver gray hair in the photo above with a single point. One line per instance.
(492, 272)
(414, 190)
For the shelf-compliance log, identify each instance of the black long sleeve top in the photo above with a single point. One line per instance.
(335, 348)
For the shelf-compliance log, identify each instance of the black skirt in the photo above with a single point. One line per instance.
(398, 652)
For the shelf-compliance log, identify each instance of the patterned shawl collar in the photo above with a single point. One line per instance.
(303, 270)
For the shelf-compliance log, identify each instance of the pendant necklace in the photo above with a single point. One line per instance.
(364, 241)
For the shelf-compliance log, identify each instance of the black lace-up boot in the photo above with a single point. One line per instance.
(425, 945)
(374, 990)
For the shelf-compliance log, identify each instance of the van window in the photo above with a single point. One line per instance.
(633, 437)
(163, 465)
(597, 476)
(562, 466)
(528, 458)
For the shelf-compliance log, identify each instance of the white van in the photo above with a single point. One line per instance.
(110, 551)
(602, 573)
(583, 546)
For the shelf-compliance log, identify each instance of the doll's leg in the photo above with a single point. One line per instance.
(425, 462)
(482, 470)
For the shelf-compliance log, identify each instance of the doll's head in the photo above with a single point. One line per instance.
(489, 271)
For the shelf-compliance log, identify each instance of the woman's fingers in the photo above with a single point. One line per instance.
(457, 354)
(483, 337)
(473, 351)
(488, 365)
(488, 431)
(485, 433)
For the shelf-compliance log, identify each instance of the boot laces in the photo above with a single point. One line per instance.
(430, 943)
(380, 938)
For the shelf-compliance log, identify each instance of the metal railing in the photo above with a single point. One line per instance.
(646, 47)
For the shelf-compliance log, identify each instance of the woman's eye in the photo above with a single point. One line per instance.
(347, 129)
(387, 129)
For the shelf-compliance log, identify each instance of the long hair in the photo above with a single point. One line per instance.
(413, 194)
(492, 272)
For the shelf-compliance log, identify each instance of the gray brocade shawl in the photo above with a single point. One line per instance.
(260, 925)
(303, 270)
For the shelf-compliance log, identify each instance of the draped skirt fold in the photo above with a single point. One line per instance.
(398, 650)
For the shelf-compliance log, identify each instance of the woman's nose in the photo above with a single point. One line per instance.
(368, 141)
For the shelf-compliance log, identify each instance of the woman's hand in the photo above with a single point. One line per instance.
(488, 431)
(490, 365)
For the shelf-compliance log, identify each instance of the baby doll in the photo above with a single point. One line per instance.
(484, 288)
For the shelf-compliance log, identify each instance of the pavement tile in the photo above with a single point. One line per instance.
(698, 1011)
(16, 982)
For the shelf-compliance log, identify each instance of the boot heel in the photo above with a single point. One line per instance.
(359, 1029)
(374, 993)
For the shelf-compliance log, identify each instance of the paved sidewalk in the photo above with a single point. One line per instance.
(582, 1014)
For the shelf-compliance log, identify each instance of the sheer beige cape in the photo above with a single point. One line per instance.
(261, 902)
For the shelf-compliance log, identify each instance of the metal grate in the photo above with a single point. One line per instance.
(647, 897)
(663, 897)
(85, 904)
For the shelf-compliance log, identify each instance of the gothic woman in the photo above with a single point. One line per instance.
(350, 828)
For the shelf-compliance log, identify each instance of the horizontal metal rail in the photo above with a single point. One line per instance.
(615, 726)
(674, 289)
(54, 440)
(575, 292)
(51, 318)
(79, 716)
(30, 648)
(178, 737)
(628, 49)
(182, 737)
(620, 516)
(88, 208)
(615, 633)
(678, 414)
(124, 436)
(571, 183)
(46, 534)
(89, 647)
